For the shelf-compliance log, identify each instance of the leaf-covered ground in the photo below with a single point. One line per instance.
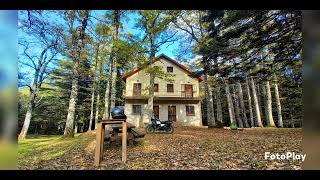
(186, 148)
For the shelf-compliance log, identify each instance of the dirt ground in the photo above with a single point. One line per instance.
(186, 148)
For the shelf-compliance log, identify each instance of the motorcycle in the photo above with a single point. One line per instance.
(157, 125)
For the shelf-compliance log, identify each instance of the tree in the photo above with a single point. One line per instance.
(280, 123)
(219, 108)
(251, 39)
(92, 96)
(74, 51)
(256, 103)
(249, 102)
(269, 105)
(190, 22)
(230, 104)
(243, 109)
(38, 61)
(114, 65)
(210, 109)
(110, 92)
(155, 25)
(237, 106)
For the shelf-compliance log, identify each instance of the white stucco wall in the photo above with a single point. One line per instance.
(180, 78)
(182, 118)
(136, 118)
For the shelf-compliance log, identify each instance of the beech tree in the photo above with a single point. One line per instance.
(36, 27)
(73, 49)
(155, 25)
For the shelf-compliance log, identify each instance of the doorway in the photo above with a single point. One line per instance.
(172, 113)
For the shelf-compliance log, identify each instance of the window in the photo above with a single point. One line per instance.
(137, 89)
(169, 69)
(190, 110)
(156, 88)
(136, 109)
(169, 87)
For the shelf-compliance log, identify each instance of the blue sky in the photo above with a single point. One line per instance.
(8, 49)
(128, 26)
(170, 49)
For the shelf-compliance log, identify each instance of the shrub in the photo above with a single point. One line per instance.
(233, 126)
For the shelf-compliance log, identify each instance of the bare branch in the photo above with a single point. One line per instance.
(169, 39)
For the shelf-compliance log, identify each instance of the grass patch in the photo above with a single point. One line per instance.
(8, 156)
(34, 150)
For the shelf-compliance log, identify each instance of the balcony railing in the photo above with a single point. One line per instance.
(187, 94)
(183, 94)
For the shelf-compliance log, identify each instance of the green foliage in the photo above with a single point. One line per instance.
(233, 126)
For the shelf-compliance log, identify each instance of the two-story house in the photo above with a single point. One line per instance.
(178, 100)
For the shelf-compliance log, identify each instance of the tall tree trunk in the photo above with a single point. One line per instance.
(269, 105)
(116, 24)
(92, 96)
(243, 108)
(209, 102)
(27, 119)
(250, 103)
(97, 109)
(76, 128)
(259, 94)
(107, 100)
(280, 123)
(68, 131)
(76, 57)
(91, 109)
(237, 107)
(219, 108)
(256, 104)
(100, 65)
(291, 120)
(264, 95)
(213, 121)
(151, 80)
(230, 104)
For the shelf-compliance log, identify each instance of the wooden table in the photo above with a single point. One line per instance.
(100, 138)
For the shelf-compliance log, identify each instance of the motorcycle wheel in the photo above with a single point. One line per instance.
(170, 129)
(149, 129)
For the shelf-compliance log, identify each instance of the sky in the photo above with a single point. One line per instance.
(170, 49)
(128, 26)
(8, 49)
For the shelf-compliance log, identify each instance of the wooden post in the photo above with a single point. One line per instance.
(124, 141)
(103, 127)
(97, 158)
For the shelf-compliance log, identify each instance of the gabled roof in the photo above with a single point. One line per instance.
(137, 69)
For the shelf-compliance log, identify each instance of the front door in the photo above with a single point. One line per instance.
(156, 111)
(172, 113)
(188, 90)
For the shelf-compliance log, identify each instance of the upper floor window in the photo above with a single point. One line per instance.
(170, 88)
(137, 89)
(169, 69)
(156, 88)
(186, 90)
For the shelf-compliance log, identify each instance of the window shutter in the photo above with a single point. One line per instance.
(194, 88)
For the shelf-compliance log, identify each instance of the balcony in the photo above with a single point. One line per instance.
(188, 94)
(165, 96)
